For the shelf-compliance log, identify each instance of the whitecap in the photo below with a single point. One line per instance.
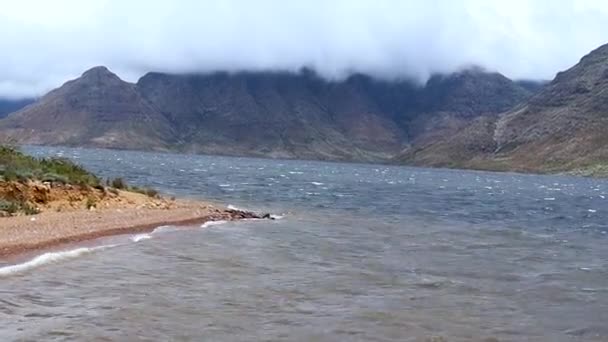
(592, 211)
(212, 223)
(232, 207)
(164, 229)
(549, 198)
(316, 183)
(140, 237)
(224, 185)
(48, 258)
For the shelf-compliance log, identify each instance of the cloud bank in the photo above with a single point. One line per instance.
(46, 42)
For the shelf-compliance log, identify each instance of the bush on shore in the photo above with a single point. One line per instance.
(16, 166)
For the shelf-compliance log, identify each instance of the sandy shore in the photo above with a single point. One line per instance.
(22, 234)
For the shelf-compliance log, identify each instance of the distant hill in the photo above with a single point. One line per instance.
(97, 109)
(266, 114)
(561, 128)
(8, 106)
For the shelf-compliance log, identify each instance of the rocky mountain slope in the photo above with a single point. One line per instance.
(268, 114)
(97, 109)
(561, 128)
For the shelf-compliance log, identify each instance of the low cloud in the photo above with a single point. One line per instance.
(45, 43)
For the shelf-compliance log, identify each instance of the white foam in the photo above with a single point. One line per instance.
(316, 183)
(48, 258)
(592, 211)
(140, 237)
(163, 229)
(550, 199)
(233, 207)
(212, 223)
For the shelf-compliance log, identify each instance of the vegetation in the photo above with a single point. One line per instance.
(121, 184)
(13, 207)
(16, 166)
(118, 183)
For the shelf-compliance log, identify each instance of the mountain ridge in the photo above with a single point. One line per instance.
(559, 129)
(262, 114)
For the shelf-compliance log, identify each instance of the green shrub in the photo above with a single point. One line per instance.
(54, 178)
(145, 191)
(29, 210)
(10, 207)
(16, 166)
(119, 183)
(151, 192)
(13, 207)
(91, 203)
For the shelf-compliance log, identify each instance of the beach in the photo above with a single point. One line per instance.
(138, 214)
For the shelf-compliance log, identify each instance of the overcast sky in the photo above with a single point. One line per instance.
(45, 42)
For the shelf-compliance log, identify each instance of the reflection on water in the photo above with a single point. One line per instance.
(365, 253)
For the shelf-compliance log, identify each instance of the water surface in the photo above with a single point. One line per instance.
(364, 253)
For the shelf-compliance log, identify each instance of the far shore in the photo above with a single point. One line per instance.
(26, 234)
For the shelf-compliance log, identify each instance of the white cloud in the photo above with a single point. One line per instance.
(47, 42)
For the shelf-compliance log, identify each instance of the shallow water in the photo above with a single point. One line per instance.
(364, 253)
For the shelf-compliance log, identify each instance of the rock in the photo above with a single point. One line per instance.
(267, 216)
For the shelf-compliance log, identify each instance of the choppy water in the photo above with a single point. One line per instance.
(365, 253)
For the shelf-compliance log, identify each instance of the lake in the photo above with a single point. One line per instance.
(361, 253)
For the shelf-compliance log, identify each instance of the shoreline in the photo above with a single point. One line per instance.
(581, 172)
(22, 235)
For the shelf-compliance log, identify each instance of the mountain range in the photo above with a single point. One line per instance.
(468, 119)
(563, 127)
(270, 114)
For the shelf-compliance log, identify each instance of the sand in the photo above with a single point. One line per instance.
(20, 234)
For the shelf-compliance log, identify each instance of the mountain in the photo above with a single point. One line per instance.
(274, 114)
(266, 114)
(8, 106)
(97, 109)
(561, 128)
(451, 104)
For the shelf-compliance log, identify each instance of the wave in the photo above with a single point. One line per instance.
(212, 223)
(140, 237)
(49, 258)
(164, 229)
(233, 207)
